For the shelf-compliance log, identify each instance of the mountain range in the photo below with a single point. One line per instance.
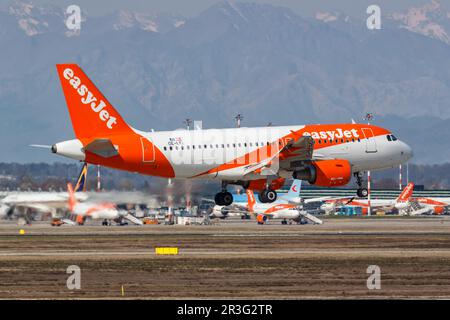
(263, 61)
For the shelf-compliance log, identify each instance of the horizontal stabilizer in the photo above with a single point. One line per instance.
(102, 147)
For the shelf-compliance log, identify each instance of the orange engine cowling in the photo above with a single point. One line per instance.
(326, 173)
(438, 210)
(261, 218)
(259, 185)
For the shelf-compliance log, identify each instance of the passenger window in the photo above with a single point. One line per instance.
(165, 148)
(170, 148)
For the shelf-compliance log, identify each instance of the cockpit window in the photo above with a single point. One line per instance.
(393, 137)
(389, 137)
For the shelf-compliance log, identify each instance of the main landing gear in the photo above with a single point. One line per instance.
(267, 196)
(361, 192)
(223, 198)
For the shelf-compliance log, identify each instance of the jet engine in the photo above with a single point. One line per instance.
(326, 173)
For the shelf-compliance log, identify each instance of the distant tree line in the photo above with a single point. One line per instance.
(45, 176)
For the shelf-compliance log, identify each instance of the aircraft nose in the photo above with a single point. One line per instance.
(406, 151)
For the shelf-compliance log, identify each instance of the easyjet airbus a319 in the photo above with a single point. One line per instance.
(258, 158)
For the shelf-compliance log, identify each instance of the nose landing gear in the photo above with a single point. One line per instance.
(361, 192)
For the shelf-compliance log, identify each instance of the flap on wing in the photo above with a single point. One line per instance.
(103, 148)
(305, 146)
(265, 163)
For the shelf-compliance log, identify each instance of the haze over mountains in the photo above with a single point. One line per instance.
(257, 59)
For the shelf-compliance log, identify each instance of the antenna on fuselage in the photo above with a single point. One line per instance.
(239, 117)
(188, 123)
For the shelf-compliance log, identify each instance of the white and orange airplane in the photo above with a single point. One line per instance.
(436, 205)
(285, 211)
(401, 203)
(105, 211)
(257, 158)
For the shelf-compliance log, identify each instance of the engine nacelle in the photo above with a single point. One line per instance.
(261, 218)
(401, 205)
(260, 185)
(326, 173)
(219, 212)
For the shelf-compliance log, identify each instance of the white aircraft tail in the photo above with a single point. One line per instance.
(294, 191)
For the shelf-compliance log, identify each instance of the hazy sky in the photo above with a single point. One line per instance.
(355, 8)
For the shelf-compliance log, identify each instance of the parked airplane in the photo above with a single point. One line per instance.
(288, 207)
(433, 204)
(105, 211)
(25, 204)
(401, 203)
(238, 208)
(255, 158)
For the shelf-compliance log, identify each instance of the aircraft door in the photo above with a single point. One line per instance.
(371, 145)
(148, 151)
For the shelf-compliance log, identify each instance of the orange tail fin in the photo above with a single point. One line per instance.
(91, 113)
(72, 199)
(251, 200)
(406, 193)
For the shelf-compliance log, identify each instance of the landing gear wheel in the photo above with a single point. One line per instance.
(260, 197)
(223, 198)
(362, 192)
(267, 196)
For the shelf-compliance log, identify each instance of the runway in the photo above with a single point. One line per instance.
(234, 259)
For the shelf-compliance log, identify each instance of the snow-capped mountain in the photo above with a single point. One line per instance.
(40, 19)
(261, 60)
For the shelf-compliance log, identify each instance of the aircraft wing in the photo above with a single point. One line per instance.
(297, 149)
(303, 147)
(238, 208)
(102, 147)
